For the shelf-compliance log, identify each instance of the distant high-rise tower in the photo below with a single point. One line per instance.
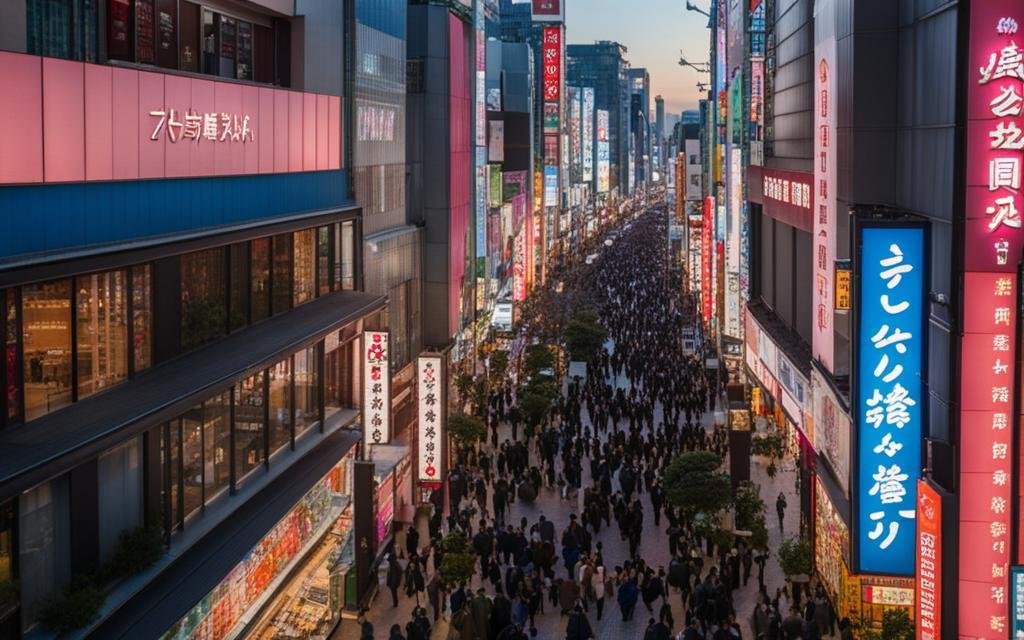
(659, 132)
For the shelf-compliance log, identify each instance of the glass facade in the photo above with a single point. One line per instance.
(109, 336)
(63, 28)
(250, 424)
(280, 405)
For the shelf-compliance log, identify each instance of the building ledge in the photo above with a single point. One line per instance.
(784, 337)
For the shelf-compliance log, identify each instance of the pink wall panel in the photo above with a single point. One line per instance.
(63, 120)
(151, 98)
(229, 158)
(177, 155)
(322, 141)
(251, 149)
(201, 155)
(282, 123)
(99, 149)
(265, 131)
(21, 118)
(295, 140)
(124, 117)
(334, 133)
(308, 132)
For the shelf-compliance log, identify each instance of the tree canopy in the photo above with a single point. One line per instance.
(694, 483)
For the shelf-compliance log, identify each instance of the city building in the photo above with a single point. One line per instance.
(185, 309)
(658, 142)
(639, 83)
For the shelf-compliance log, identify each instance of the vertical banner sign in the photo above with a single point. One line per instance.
(603, 153)
(519, 266)
(928, 591)
(481, 84)
(430, 392)
(496, 141)
(733, 307)
(576, 132)
(889, 402)
(551, 51)
(551, 186)
(992, 250)
(376, 388)
(588, 134)
(822, 336)
(1017, 598)
(706, 257)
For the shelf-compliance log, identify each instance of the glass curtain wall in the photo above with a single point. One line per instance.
(46, 346)
(102, 331)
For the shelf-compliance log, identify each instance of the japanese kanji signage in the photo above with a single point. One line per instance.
(995, 138)
(376, 388)
(843, 279)
(190, 126)
(824, 211)
(430, 390)
(928, 588)
(992, 250)
(888, 402)
(706, 257)
(547, 10)
(551, 50)
(986, 450)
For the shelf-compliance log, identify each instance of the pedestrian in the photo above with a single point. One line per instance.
(780, 507)
(396, 632)
(578, 627)
(627, 597)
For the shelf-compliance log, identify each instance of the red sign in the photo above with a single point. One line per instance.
(928, 591)
(995, 138)
(986, 451)
(552, 52)
(705, 258)
(547, 9)
(787, 196)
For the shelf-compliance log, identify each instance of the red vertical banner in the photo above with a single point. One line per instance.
(928, 588)
(992, 250)
(706, 256)
(551, 49)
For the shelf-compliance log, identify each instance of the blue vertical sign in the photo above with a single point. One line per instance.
(1016, 602)
(889, 402)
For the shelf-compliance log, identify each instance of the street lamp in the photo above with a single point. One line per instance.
(701, 67)
(692, 7)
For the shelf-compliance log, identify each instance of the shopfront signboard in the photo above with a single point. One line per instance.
(706, 249)
(928, 588)
(588, 134)
(431, 402)
(844, 285)
(889, 402)
(824, 210)
(831, 540)
(376, 387)
(786, 196)
(550, 186)
(831, 429)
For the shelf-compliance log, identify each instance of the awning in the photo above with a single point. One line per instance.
(44, 448)
(170, 596)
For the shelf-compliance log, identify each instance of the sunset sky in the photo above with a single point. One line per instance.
(654, 31)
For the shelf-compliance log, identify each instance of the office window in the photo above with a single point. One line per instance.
(173, 461)
(119, 479)
(324, 272)
(62, 28)
(9, 299)
(7, 541)
(307, 390)
(203, 297)
(260, 290)
(192, 459)
(142, 316)
(238, 283)
(281, 286)
(338, 391)
(102, 335)
(280, 405)
(305, 266)
(346, 256)
(43, 537)
(46, 346)
(250, 421)
(216, 444)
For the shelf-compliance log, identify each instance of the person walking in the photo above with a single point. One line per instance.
(394, 578)
(780, 507)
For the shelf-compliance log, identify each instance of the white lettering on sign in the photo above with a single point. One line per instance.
(789, 192)
(189, 125)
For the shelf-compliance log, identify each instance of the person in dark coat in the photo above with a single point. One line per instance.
(458, 599)
(396, 632)
(627, 597)
(501, 614)
(480, 608)
(434, 589)
(394, 579)
(412, 541)
(579, 626)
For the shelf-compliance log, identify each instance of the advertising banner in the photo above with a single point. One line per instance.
(515, 184)
(551, 50)
(824, 212)
(547, 10)
(706, 258)
(494, 185)
(550, 186)
(550, 117)
(575, 99)
(831, 540)
(1017, 602)
(519, 267)
(603, 153)
(588, 134)
(481, 202)
(831, 429)
(992, 251)
(430, 386)
(733, 308)
(889, 403)
(496, 141)
(786, 196)
(376, 388)
(928, 591)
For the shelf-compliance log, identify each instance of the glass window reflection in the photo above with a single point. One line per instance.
(102, 331)
(46, 346)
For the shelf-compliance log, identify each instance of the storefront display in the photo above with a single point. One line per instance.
(253, 580)
(831, 540)
(385, 507)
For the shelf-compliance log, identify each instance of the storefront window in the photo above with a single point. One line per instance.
(46, 346)
(324, 273)
(217, 444)
(64, 29)
(102, 331)
(307, 396)
(11, 374)
(7, 541)
(280, 405)
(346, 256)
(250, 421)
(305, 266)
(142, 316)
(338, 393)
(282, 273)
(43, 541)
(192, 459)
(174, 473)
(203, 297)
(260, 289)
(119, 482)
(238, 300)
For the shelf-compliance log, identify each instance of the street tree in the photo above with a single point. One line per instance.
(695, 484)
(465, 431)
(584, 336)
